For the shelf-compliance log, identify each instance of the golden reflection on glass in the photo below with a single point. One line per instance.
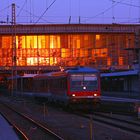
(109, 61)
(68, 49)
(97, 37)
(120, 61)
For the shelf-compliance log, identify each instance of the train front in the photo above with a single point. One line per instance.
(84, 86)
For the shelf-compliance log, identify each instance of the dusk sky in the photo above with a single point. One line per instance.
(60, 11)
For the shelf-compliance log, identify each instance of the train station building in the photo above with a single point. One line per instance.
(33, 48)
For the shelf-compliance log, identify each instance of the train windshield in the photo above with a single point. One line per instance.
(87, 82)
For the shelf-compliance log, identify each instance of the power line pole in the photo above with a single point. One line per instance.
(139, 11)
(113, 17)
(14, 59)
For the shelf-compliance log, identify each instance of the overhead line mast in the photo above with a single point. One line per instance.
(14, 34)
(14, 56)
(139, 11)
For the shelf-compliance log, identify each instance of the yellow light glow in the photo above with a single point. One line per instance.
(78, 43)
(32, 61)
(120, 61)
(65, 49)
(108, 61)
(100, 52)
(97, 37)
(51, 42)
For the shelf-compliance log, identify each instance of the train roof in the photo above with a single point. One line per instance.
(14, 77)
(29, 75)
(65, 72)
(122, 73)
(50, 74)
(81, 69)
(42, 75)
(58, 73)
(23, 76)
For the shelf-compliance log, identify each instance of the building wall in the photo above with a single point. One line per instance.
(101, 50)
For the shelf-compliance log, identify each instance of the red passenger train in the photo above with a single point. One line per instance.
(72, 86)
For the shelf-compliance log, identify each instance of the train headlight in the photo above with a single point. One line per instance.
(95, 94)
(73, 95)
(84, 87)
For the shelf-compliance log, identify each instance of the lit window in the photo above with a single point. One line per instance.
(97, 37)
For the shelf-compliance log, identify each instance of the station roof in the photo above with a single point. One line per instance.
(69, 28)
(122, 73)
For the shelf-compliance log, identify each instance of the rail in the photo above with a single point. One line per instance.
(42, 130)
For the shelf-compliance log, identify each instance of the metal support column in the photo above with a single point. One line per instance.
(14, 59)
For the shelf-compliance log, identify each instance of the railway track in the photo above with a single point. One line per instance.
(121, 123)
(28, 128)
(18, 131)
(81, 126)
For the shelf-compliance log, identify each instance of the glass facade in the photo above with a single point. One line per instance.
(91, 49)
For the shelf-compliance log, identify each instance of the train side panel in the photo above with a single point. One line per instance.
(58, 88)
(74, 86)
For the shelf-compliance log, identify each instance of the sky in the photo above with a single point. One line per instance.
(71, 11)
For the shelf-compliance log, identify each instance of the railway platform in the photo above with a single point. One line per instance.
(6, 131)
(119, 99)
(121, 94)
(121, 104)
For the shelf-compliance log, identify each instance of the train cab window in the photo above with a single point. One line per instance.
(87, 82)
